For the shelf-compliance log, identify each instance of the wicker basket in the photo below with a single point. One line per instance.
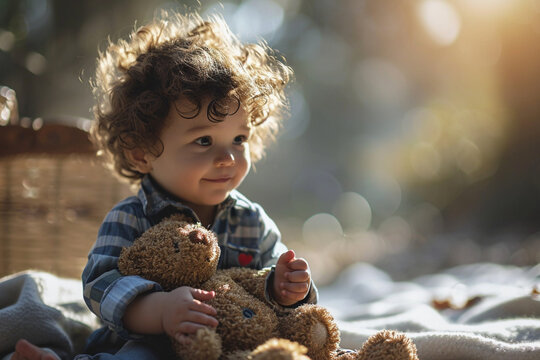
(53, 197)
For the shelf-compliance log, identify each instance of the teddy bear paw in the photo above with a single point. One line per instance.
(204, 345)
(319, 332)
(388, 344)
(279, 349)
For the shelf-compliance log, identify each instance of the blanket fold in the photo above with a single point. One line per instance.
(44, 309)
(480, 311)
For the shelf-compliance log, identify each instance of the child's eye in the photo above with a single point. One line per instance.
(204, 141)
(240, 139)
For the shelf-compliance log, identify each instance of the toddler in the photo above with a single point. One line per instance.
(183, 108)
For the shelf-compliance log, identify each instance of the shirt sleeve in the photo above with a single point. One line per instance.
(271, 246)
(107, 293)
(271, 249)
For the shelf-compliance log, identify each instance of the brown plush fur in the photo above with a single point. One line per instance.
(388, 344)
(177, 253)
(280, 349)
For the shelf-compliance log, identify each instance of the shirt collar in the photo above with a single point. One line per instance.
(157, 201)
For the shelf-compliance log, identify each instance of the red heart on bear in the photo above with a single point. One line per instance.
(244, 259)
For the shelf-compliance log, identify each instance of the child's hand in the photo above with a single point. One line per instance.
(292, 279)
(184, 312)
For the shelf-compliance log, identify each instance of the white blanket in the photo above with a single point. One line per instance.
(46, 310)
(485, 311)
(501, 321)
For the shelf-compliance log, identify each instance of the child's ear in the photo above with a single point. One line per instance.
(139, 160)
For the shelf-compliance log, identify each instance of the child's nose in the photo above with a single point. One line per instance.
(226, 158)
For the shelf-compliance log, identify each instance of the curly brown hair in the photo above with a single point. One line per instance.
(182, 56)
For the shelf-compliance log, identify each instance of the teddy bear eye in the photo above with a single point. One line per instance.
(176, 248)
(248, 313)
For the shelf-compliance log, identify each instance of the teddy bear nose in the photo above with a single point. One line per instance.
(197, 237)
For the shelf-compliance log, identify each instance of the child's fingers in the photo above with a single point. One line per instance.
(188, 327)
(285, 258)
(293, 297)
(201, 318)
(298, 276)
(25, 350)
(202, 295)
(300, 288)
(298, 264)
(199, 306)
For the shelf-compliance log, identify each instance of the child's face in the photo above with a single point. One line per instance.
(203, 161)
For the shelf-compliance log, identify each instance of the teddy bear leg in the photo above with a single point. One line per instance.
(313, 327)
(279, 349)
(387, 344)
(205, 345)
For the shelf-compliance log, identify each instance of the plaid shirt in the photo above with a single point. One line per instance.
(247, 237)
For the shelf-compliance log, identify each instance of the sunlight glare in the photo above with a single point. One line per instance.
(488, 8)
(440, 20)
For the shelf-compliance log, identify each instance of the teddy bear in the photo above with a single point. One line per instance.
(177, 252)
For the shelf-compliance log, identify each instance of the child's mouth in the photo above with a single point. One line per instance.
(218, 180)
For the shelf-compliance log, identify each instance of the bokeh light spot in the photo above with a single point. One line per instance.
(298, 122)
(353, 212)
(469, 156)
(379, 82)
(383, 193)
(316, 189)
(257, 18)
(322, 228)
(440, 20)
(7, 40)
(423, 124)
(426, 219)
(36, 63)
(309, 44)
(425, 160)
(4, 116)
(396, 232)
